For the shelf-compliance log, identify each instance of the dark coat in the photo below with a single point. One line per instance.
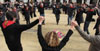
(41, 9)
(71, 11)
(90, 14)
(79, 15)
(57, 11)
(12, 34)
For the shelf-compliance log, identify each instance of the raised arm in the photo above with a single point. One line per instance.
(84, 35)
(65, 39)
(25, 27)
(39, 33)
(40, 36)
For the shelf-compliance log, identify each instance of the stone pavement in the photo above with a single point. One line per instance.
(29, 38)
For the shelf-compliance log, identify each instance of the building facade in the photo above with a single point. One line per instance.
(57, 1)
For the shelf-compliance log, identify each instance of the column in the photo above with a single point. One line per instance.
(88, 2)
(70, 1)
(50, 2)
(57, 1)
(79, 1)
(1, 1)
(61, 1)
(75, 0)
(12, 0)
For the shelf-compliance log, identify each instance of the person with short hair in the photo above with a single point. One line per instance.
(12, 31)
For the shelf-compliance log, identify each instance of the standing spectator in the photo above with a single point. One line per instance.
(57, 14)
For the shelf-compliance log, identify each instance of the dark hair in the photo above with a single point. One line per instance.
(10, 15)
(0, 10)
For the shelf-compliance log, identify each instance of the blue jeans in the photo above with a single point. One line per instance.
(86, 25)
(43, 16)
(70, 19)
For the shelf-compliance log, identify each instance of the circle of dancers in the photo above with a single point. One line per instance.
(10, 23)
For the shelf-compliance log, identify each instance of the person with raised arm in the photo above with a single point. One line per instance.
(12, 31)
(94, 40)
(51, 42)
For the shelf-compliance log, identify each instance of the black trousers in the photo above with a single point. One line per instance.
(57, 19)
(86, 25)
(27, 18)
(31, 14)
(18, 48)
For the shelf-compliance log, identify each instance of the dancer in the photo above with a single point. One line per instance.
(90, 12)
(41, 11)
(93, 40)
(57, 14)
(71, 9)
(51, 41)
(12, 31)
(98, 21)
(79, 15)
(26, 13)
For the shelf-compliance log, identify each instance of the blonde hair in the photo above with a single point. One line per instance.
(52, 39)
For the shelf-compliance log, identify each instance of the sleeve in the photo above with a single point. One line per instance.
(97, 12)
(86, 36)
(25, 27)
(40, 36)
(65, 39)
(0, 23)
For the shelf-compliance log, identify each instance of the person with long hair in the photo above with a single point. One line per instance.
(94, 40)
(12, 31)
(51, 42)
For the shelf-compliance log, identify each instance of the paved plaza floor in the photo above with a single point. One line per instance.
(29, 38)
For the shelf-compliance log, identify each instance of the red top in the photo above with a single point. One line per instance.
(5, 24)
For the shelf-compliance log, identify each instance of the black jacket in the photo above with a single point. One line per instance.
(90, 15)
(45, 46)
(71, 11)
(79, 15)
(12, 34)
(41, 9)
(57, 11)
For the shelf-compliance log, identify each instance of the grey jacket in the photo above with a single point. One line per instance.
(93, 40)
